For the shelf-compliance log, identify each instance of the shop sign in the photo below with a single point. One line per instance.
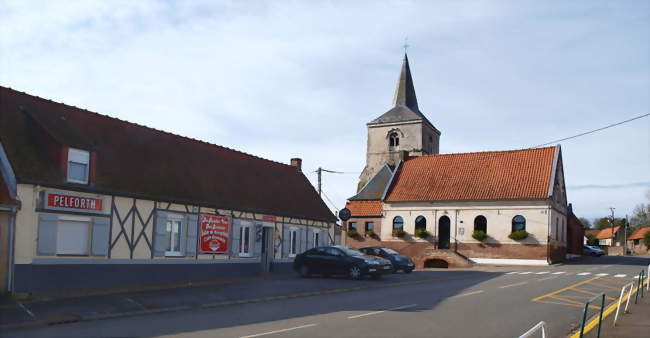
(64, 201)
(268, 218)
(214, 233)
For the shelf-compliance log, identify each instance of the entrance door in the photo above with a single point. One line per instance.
(443, 232)
(267, 249)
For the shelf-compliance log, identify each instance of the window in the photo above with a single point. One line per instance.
(244, 239)
(293, 242)
(316, 238)
(173, 236)
(370, 226)
(518, 223)
(393, 141)
(420, 223)
(480, 223)
(557, 230)
(398, 223)
(78, 164)
(352, 225)
(73, 237)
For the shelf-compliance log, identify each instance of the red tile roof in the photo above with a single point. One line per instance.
(364, 208)
(639, 233)
(607, 233)
(593, 232)
(148, 163)
(515, 174)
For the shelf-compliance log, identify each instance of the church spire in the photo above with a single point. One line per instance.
(405, 92)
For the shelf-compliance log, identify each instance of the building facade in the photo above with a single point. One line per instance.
(431, 202)
(93, 201)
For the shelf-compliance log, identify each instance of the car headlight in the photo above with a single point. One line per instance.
(371, 262)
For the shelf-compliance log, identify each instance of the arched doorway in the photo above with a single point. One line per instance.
(443, 232)
(436, 263)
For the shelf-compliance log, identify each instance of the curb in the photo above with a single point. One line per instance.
(76, 319)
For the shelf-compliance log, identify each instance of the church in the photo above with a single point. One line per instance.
(442, 210)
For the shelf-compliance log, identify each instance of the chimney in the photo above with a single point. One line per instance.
(296, 162)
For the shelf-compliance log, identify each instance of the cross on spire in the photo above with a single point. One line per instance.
(406, 44)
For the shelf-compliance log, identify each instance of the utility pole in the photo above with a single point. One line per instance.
(320, 174)
(627, 222)
(611, 221)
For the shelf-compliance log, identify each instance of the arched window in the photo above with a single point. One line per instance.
(420, 223)
(480, 223)
(518, 223)
(393, 141)
(398, 223)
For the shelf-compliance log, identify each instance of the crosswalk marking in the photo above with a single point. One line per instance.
(512, 272)
(542, 273)
(558, 273)
(602, 274)
(525, 273)
(620, 275)
(584, 273)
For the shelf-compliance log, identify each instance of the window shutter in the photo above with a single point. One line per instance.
(310, 238)
(234, 243)
(192, 230)
(301, 240)
(160, 234)
(183, 239)
(285, 240)
(100, 236)
(47, 229)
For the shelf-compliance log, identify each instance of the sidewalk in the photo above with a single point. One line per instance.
(634, 324)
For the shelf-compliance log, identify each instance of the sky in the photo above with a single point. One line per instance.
(283, 79)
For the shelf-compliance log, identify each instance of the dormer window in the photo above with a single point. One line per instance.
(393, 141)
(78, 166)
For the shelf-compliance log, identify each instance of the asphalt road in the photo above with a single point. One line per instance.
(478, 302)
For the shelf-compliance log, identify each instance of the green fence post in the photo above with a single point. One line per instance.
(600, 318)
(584, 319)
(640, 286)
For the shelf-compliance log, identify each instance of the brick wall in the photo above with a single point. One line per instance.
(507, 251)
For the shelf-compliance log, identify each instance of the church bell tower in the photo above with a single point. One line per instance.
(401, 131)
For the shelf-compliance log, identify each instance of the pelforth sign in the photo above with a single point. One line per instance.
(65, 201)
(214, 233)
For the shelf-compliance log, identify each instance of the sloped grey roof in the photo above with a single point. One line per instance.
(405, 103)
(374, 189)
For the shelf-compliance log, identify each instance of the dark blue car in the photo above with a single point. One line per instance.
(399, 261)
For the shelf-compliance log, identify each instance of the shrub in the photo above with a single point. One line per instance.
(371, 233)
(518, 235)
(479, 235)
(352, 233)
(422, 233)
(592, 240)
(399, 233)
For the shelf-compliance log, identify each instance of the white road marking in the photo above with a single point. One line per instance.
(542, 273)
(134, 302)
(511, 285)
(620, 275)
(278, 331)
(602, 274)
(547, 278)
(382, 311)
(512, 272)
(468, 294)
(606, 266)
(584, 273)
(30, 313)
(558, 273)
(525, 273)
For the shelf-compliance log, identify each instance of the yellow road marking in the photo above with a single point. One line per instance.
(558, 303)
(589, 326)
(563, 289)
(566, 300)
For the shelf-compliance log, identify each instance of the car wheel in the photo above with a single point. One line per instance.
(355, 272)
(304, 271)
(408, 270)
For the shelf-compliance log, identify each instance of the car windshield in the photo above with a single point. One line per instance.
(390, 251)
(349, 252)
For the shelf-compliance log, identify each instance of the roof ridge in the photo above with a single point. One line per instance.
(482, 152)
(146, 127)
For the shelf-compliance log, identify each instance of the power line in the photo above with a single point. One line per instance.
(593, 131)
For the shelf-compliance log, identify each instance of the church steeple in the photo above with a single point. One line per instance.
(405, 91)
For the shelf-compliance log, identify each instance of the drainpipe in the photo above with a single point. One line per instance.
(10, 250)
(456, 232)
(548, 237)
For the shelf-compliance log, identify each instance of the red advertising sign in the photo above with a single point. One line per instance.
(214, 233)
(73, 202)
(268, 218)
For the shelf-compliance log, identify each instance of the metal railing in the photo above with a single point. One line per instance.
(640, 288)
(539, 326)
(584, 313)
(620, 299)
